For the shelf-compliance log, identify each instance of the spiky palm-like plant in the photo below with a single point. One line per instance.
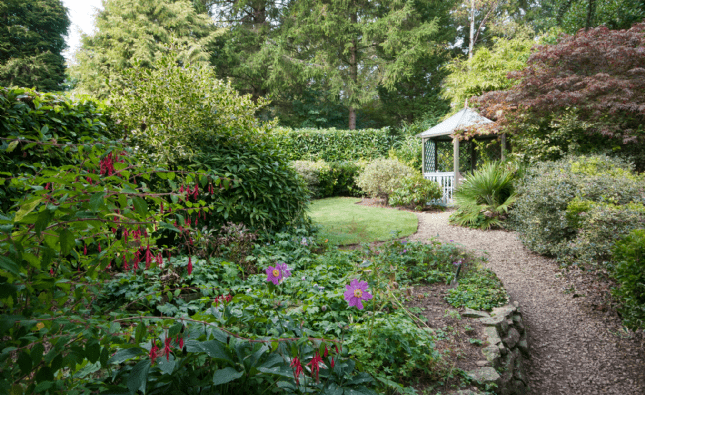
(484, 197)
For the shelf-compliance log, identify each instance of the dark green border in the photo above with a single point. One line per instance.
(681, 159)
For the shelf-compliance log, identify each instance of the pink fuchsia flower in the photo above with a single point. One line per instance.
(297, 368)
(356, 292)
(168, 347)
(315, 365)
(154, 353)
(190, 266)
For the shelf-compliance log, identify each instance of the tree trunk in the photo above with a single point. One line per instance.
(591, 13)
(353, 71)
(351, 118)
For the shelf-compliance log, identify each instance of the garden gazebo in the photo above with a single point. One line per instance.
(444, 132)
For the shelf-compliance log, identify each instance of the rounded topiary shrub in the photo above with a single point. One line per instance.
(381, 177)
(558, 199)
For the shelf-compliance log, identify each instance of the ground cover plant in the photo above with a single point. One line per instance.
(343, 222)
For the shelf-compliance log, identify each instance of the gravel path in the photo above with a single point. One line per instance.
(574, 347)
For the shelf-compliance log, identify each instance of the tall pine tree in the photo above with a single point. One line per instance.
(355, 46)
(31, 42)
(141, 29)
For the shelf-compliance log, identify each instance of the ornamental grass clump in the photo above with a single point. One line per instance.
(485, 197)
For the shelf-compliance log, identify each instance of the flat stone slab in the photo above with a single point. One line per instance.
(505, 311)
(492, 354)
(492, 335)
(472, 313)
(484, 375)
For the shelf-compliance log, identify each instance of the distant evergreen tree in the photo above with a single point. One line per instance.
(128, 29)
(31, 41)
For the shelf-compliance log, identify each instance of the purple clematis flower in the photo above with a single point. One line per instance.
(274, 274)
(284, 269)
(277, 273)
(356, 292)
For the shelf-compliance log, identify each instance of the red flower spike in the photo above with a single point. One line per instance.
(99, 250)
(179, 340)
(168, 348)
(297, 368)
(325, 354)
(85, 249)
(315, 365)
(196, 220)
(190, 266)
(147, 257)
(332, 362)
(153, 354)
(125, 263)
(211, 188)
(161, 207)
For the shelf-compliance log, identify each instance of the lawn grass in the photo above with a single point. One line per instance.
(343, 222)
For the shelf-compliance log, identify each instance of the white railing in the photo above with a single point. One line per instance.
(445, 181)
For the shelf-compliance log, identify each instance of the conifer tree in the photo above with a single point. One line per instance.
(128, 29)
(31, 42)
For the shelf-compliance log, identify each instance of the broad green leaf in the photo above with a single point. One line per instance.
(9, 265)
(26, 208)
(138, 378)
(92, 351)
(67, 241)
(96, 201)
(125, 354)
(140, 332)
(213, 348)
(25, 362)
(141, 206)
(226, 375)
(12, 146)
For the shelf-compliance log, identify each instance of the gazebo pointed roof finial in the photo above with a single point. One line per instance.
(466, 105)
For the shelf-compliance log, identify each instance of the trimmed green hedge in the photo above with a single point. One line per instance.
(333, 145)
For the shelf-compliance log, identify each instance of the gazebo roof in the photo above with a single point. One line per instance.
(460, 120)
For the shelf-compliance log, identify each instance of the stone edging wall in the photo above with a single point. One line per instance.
(504, 348)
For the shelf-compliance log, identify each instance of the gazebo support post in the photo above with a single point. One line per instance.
(423, 155)
(456, 157)
(503, 147)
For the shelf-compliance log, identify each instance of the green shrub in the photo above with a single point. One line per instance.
(317, 176)
(333, 145)
(382, 176)
(541, 212)
(415, 192)
(329, 179)
(484, 197)
(259, 189)
(598, 227)
(629, 271)
(184, 116)
(30, 115)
